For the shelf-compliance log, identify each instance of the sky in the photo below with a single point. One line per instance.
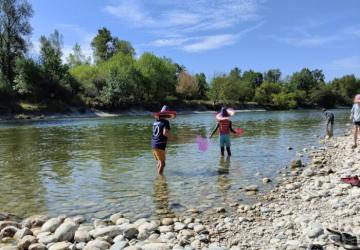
(214, 36)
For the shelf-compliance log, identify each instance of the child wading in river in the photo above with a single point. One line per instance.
(160, 134)
(355, 117)
(225, 127)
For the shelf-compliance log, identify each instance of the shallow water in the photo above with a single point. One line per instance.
(104, 165)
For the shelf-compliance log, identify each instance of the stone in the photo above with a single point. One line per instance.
(99, 223)
(63, 245)
(101, 214)
(4, 224)
(220, 210)
(47, 239)
(131, 233)
(179, 226)
(66, 231)
(37, 246)
(167, 221)
(266, 180)
(97, 244)
(165, 229)
(35, 221)
(119, 238)
(22, 232)
(251, 188)
(79, 219)
(82, 236)
(80, 245)
(296, 164)
(119, 245)
(314, 230)
(51, 225)
(148, 226)
(8, 231)
(143, 235)
(114, 218)
(26, 241)
(111, 231)
(121, 221)
(199, 228)
(155, 246)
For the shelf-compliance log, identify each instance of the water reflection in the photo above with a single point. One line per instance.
(161, 198)
(223, 175)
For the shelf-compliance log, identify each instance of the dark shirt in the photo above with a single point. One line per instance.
(329, 116)
(159, 140)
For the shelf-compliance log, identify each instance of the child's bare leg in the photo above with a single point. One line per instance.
(222, 151)
(356, 128)
(228, 151)
(161, 167)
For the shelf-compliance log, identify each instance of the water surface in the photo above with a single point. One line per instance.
(87, 165)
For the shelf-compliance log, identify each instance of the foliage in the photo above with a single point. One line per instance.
(14, 29)
(187, 86)
(77, 57)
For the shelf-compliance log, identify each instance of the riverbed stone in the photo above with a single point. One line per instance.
(156, 246)
(8, 231)
(119, 245)
(22, 232)
(97, 244)
(37, 246)
(78, 219)
(121, 221)
(167, 221)
(179, 226)
(63, 245)
(51, 225)
(251, 188)
(26, 241)
(165, 229)
(131, 233)
(82, 236)
(47, 239)
(66, 231)
(4, 224)
(35, 221)
(111, 231)
(115, 217)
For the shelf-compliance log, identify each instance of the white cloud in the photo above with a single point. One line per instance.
(309, 41)
(355, 31)
(210, 42)
(352, 62)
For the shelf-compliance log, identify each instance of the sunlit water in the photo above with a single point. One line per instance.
(83, 166)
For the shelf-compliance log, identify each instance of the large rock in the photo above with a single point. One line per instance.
(167, 221)
(22, 232)
(66, 232)
(148, 226)
(179, 226)
(82, 236)
(51, 225)
(111, 231)
(296, 164)
(64, 245)
(97, 244)
(26, 241)
(115, 217)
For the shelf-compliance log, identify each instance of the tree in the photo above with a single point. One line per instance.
(252, 77)
(264, 93)
(216, 92)
(77, 57)
(272, 75)
(203, 85)
(122, 46)
(307, 80)
(101, 45)
(187, 85)
(347, 87)
(14, 29)
(324, 97)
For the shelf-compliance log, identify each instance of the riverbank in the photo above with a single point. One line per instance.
(305, 202)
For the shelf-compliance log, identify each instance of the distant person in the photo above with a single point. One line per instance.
(330, 119)
(160, 134)
(355, 117)
(225, 127)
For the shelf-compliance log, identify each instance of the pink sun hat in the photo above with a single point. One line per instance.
(225, 113)
(357, 99)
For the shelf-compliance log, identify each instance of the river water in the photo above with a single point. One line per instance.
(96, 166)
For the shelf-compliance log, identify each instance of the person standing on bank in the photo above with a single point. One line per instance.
(355, 117)
(330, 118)
(160, 134)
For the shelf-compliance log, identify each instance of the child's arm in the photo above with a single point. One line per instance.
(231, 129)
(213, 132)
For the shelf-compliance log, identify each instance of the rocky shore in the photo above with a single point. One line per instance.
(306, 201)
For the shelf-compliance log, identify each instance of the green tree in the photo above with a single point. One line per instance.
(216, 91)
(101, 45)
(272, 75)
(307, 80)
(28, 78)
(264, 93)
(347, 87)
(77, 57)
(14, 29)
(203, 86)
(324, 97)
(252, 77)
(122, 46)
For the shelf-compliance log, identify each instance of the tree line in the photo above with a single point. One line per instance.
(115, 78)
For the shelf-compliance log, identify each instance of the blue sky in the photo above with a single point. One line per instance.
(213, 36)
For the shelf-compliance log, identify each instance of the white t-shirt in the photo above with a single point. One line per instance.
(355, 111)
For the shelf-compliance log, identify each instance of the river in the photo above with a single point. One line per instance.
(98, 166)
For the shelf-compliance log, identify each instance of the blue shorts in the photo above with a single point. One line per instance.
(225, 140)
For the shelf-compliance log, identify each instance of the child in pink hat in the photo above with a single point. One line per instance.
(355, 117)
